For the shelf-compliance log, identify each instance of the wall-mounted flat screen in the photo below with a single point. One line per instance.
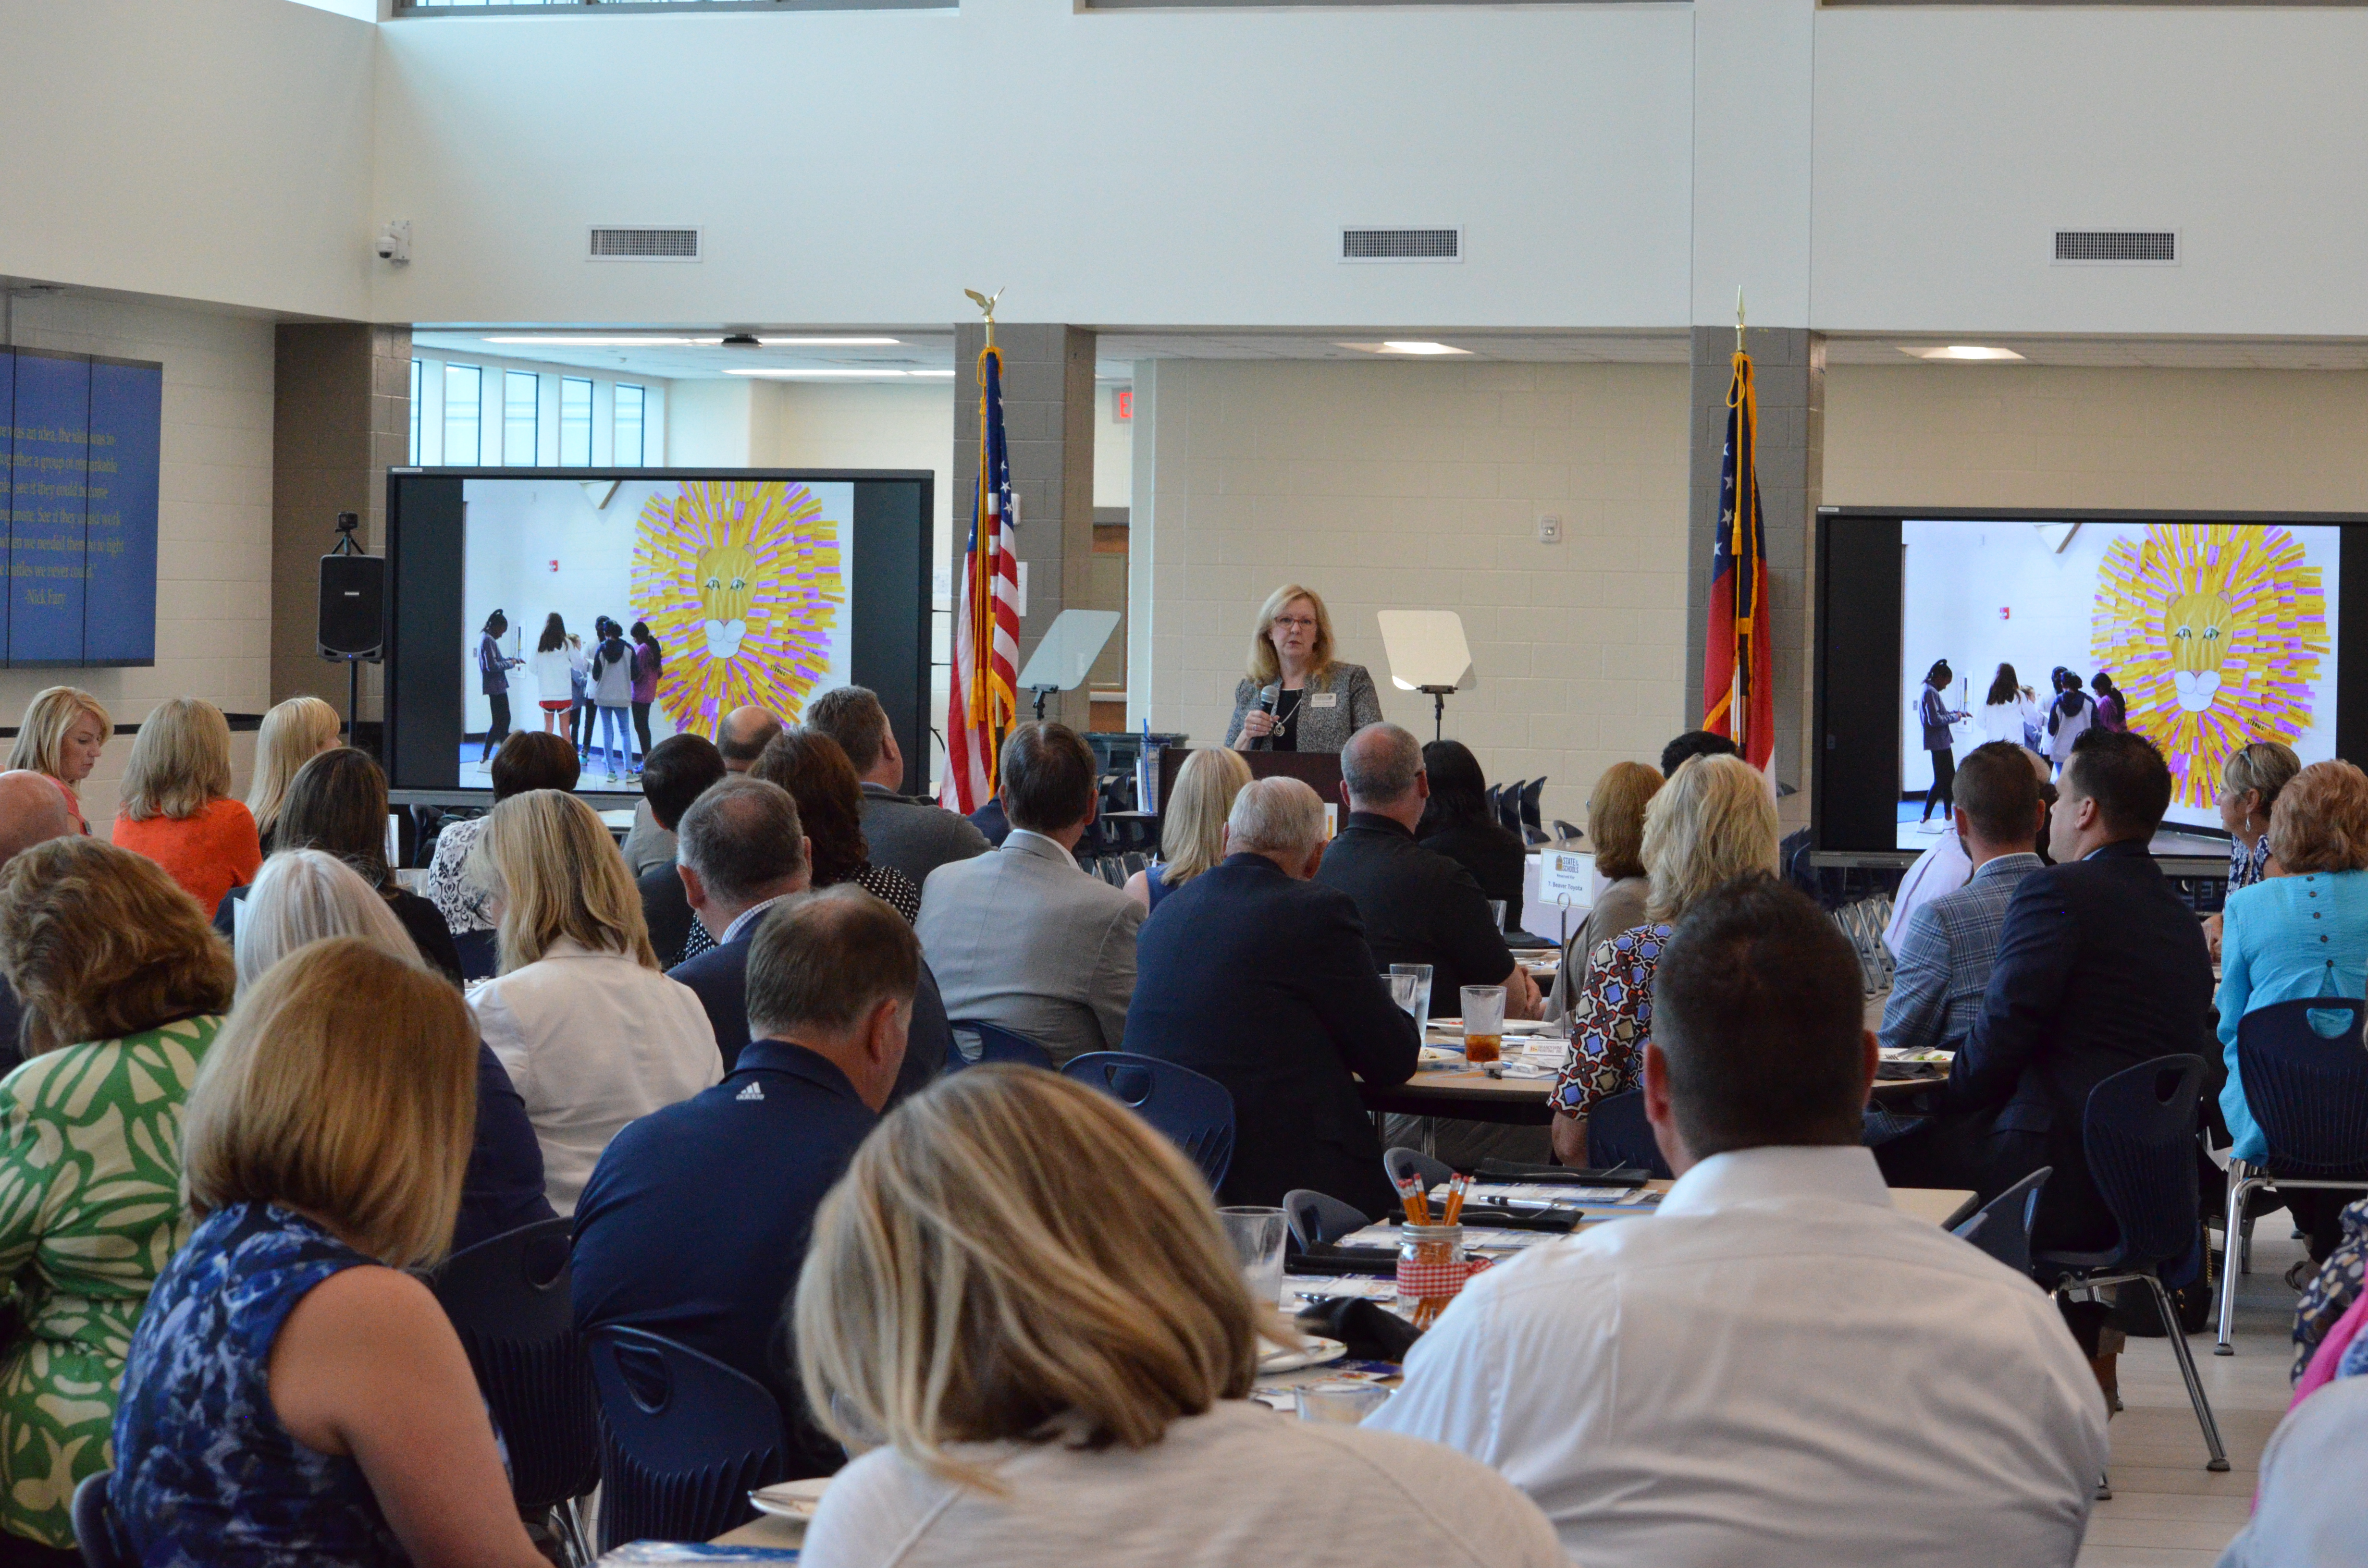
(620, 609)
(79, 440)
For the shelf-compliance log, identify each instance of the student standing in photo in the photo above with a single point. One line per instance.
(1934, 709)
(2112, 711)
(555, 674)
(611, 683)
(2008, 712)
(649, 662)
(494, 668)
(2069, 716)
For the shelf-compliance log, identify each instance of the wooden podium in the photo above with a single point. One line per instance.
(1319, 770)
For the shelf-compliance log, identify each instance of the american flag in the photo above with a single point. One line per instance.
(985, 701)
(1738, 695)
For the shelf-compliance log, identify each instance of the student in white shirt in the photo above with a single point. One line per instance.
(1778, 1367)
(1018, 1300)
(589, 1028)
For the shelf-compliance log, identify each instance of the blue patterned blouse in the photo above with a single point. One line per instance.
(204, 1471)
(1611, 1019)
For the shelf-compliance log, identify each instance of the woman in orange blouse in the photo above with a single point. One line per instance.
(177, 806)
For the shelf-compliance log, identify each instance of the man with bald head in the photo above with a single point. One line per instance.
(32, 812)
(1418, 907)
(743, 735)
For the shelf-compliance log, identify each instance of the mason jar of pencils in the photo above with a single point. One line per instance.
(1432, 1267)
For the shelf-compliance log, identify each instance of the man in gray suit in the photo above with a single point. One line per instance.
(1022, 936)
(915, 837)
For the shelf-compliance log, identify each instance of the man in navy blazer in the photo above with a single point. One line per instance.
(830, 986)
(741, 850)
(2099, 967)
(1260, 977)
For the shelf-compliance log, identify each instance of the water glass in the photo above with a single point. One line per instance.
(1421, 973)
(1483, 1024)
(1497, 913)
(1256, 1235)
(1403, 990)
(1342, 1401)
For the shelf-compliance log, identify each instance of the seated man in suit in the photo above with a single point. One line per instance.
(696, 1220)
(2099, 967)
(1417, 905)
(1025, 937)
(915, 837)
(743, 852)
(678, 770)
(743, 734)
(1947, 952)
(1260, 977)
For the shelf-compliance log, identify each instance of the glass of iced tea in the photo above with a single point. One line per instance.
(1483, 1024)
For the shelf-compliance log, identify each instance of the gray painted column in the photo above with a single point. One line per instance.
(1788, 372)
(1047, 421)
(341, 416)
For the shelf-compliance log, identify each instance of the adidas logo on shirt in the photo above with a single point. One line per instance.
(755, 1091)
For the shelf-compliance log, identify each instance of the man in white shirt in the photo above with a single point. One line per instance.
(1778, 1367)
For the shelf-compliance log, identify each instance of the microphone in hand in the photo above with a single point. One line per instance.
(1267, 699)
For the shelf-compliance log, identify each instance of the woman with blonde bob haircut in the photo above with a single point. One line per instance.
(1713, 822)
(1296, 697)
(589, 1027)
(294, 734)
(176, 806)
(1192, 831)
(2292, 937)
(1021, 1289)
(64, 731)
(291, 1391)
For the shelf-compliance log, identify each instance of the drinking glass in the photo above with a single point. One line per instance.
(1343, 1402)
(1256, 1235)
(1483, 1024)
(1421, 973)
(1403, 990)
(1496, 912)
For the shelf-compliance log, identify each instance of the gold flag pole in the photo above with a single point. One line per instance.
(986, 303)
(1738, 318)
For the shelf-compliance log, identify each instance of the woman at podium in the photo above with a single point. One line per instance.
(1296, 697)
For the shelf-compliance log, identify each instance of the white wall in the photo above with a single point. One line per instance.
(1419, 486)
(214, 518)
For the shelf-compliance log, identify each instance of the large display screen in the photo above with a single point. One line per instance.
(2215, 631)
(754, 589)
(79, 442)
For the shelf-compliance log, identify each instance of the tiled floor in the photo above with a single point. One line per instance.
(2166, 1510)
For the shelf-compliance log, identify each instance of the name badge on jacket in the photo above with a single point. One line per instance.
(1325, 700)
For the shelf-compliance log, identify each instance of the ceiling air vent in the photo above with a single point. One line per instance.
(645, 244)
(2119, 247)
(1402, 244)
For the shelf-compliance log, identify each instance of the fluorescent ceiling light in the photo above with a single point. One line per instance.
(552, 342)
(1961, 351)
(828, 341)
(1406, 345)
(784, 370)
(941, 375)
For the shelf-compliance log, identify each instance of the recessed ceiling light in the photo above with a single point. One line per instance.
(785, 370)
(1961, 351)
(562, 342)
(1406, 345)
(828, 341)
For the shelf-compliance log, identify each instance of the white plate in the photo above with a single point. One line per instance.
(1318, 1352)
(791, 1499)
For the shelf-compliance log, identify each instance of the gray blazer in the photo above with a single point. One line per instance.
(915, 836)
(1023, 938)
(1322, 726)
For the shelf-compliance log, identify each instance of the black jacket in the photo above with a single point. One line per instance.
(1266, 984)
(666, 908)
(1497, 861)
(1417, 906)
(2099, 967)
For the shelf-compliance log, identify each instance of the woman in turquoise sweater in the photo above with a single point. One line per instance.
(2300, 935)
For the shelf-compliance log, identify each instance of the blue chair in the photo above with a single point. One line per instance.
(1618, 1135)
(1316, 1218)
(2305, 1070)
(2002, 1228)
(684, 1439)
(508, 1298)
(994, 1044)
(97, 1532)
(478, 957)
(2138, 1132)
(1195, 1111)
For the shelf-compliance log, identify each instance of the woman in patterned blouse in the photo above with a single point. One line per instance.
(1715, 821)
(815, 772)
(529, 759)
(124, 983)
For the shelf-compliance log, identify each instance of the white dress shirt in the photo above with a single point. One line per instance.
(1777, 1368)
(591, 1041)
(1943, 869)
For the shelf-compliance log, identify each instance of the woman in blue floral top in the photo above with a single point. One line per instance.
(1713, 822)
(293, 1397)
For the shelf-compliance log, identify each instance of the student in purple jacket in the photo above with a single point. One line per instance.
(649, 662)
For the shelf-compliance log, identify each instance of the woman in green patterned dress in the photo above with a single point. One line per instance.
(124, 983)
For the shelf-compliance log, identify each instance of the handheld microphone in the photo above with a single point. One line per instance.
(1267, 699)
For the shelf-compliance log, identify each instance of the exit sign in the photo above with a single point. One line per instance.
(1125, 402)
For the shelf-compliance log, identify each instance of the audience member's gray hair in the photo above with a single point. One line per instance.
(1380, 762)
(743, 837)
(308, 895)
(1275, 816)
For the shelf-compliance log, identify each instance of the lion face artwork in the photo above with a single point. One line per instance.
(2214, 632)
(742, 583)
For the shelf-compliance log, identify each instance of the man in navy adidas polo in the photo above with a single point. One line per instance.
(695, 1222)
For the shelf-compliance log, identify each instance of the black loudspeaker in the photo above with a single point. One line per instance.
(353, 607)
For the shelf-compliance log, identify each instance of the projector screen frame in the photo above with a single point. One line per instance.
(1843, 738)
(891, 644)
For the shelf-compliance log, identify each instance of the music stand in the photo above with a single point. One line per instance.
(1066, 655)
(1427, 654)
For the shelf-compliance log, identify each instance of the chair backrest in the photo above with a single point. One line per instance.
(1618, 1135)
(1531, 794)
(508, 1300)
(1508, 804)
(1316, 1218)
(2002, 1228)
(1194, 1110)
(684, 1439)
(994, 1044)
(1400, 1163)
(2138, 1132)
(97, 1532)
(2307, 1088)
